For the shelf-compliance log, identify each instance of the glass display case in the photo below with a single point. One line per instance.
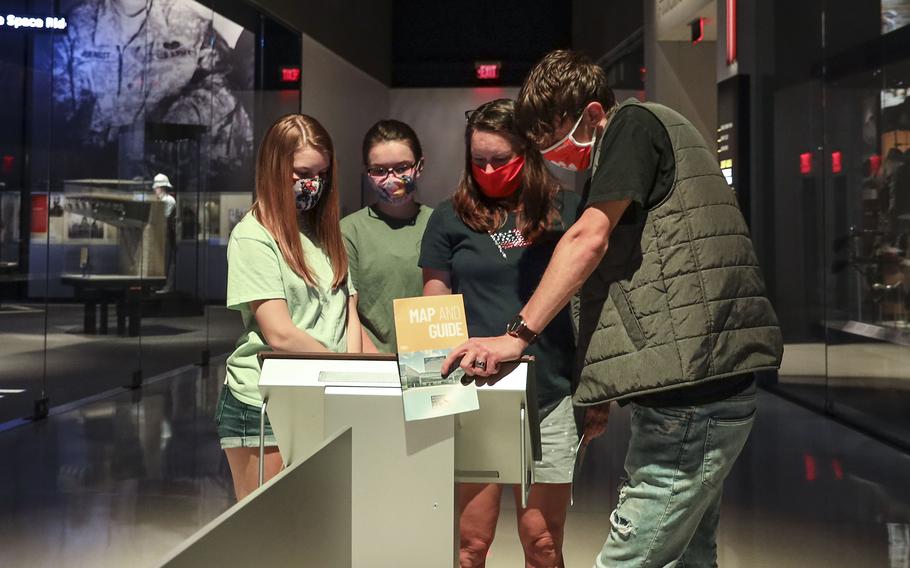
(104, 280)
(838, 183)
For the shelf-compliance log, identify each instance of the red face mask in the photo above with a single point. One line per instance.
(569, 153)
(501, 182)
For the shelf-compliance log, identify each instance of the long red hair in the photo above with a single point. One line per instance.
(275, 204)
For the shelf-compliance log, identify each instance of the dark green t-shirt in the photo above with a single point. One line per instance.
(497, 274)
(636, 161)
(382, 255)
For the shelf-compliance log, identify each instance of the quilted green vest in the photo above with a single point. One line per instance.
(679, 298)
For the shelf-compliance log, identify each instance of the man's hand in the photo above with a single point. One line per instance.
(596, 418)
(480, 357)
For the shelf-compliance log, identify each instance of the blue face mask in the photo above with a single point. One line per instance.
(307, 192)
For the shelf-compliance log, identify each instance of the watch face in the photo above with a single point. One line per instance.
(514, 325)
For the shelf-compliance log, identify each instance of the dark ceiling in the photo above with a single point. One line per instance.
(436, 43)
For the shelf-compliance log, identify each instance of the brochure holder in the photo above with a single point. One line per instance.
(403, 472)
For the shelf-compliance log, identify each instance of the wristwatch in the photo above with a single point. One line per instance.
(518, 328)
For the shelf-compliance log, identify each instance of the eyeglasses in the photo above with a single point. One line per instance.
(380, 172)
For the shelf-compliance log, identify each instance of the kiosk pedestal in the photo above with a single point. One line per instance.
(402, 474)
(403, 505)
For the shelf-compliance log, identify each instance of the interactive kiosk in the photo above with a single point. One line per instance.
(403, 474)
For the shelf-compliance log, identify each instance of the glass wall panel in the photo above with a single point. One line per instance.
(797, 183)
(841, 267)
(24, 204)
(277, 92)
(867, 131)
(127, 143)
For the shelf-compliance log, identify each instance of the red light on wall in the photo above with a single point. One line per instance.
(811, 470)
(39, 213)
(8, 163)
(805, 163)
(731, 32)
(290, 74)
(838, 469)
(837, 162)
(487, 71)
(875, 163)
(697, 27)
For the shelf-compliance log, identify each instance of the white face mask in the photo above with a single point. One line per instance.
(307, 192)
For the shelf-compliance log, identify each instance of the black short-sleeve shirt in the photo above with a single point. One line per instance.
(497, 274)
(636, 162)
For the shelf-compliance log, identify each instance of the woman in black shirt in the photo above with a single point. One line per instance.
(491, 243)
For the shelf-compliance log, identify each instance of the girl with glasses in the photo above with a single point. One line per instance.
(383, 240)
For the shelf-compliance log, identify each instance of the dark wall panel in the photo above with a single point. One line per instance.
(360, 32)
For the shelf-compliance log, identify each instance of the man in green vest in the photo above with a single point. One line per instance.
(674, 318)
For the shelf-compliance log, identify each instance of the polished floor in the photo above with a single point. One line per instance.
(866, 383)
(45, 352)
(120, 481)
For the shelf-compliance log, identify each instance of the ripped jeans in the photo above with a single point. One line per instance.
(669, 505)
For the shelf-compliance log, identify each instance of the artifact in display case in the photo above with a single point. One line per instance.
(232, 208)
(895, 15)
(10, 275)
(879, 248)
(188, 216)
(139, 220)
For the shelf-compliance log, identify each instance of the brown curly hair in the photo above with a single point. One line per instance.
(558, 88)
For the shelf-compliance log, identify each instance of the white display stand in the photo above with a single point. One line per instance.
(403, 498)
(498, 443)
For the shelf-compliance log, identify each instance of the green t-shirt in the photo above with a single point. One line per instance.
(383, 254)
(497, 274)
(257, 271)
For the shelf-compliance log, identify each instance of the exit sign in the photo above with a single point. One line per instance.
(487, 70)
(290, 74)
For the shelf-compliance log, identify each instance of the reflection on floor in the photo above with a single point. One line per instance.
(44, 350)
(866, 383)
(119, 482)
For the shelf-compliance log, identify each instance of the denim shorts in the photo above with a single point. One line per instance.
(558, 440)
(238, 423)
